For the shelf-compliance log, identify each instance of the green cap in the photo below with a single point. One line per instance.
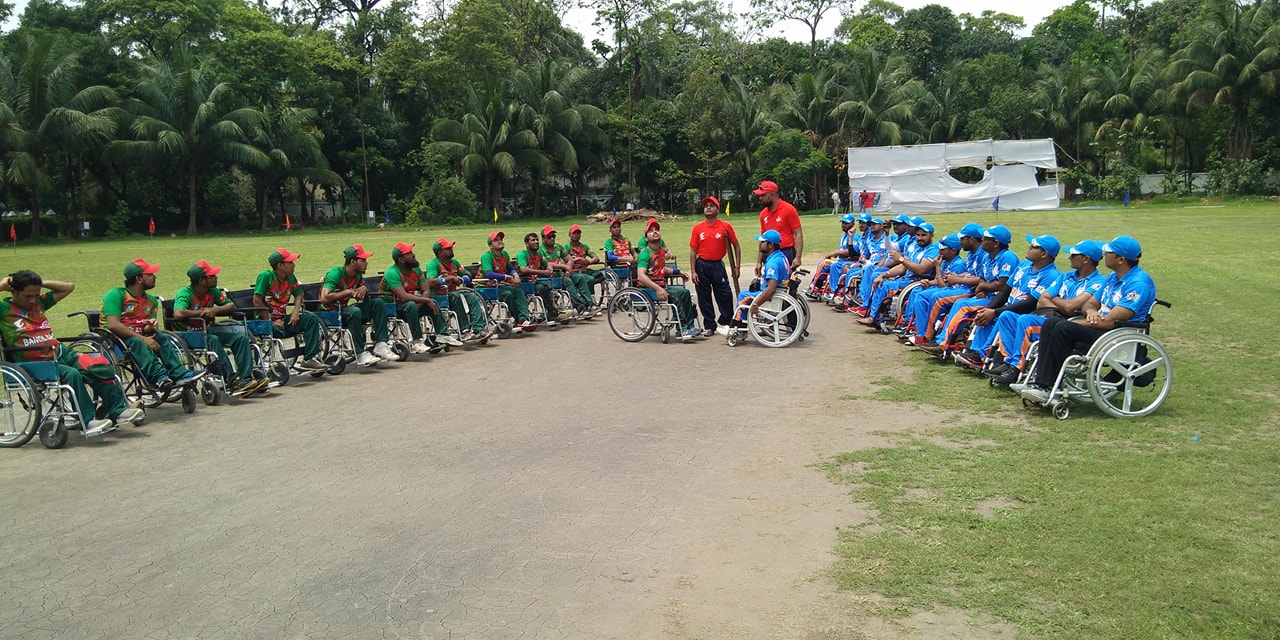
(356, 251)
(139, 267)
(282, 255)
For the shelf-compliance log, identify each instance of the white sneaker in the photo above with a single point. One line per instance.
(723, 329)
(383, 351)
(366, 359)
(99, 427)
(419, 346)
(449, 340)
(131, 415)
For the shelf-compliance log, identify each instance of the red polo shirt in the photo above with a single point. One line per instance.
(784, 219)
(711, 241)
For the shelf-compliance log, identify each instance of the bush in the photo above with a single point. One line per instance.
(441, 196)
(1233, 176)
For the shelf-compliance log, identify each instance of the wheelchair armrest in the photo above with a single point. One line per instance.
(32, 347)
(1164, 303)
(1132, 324)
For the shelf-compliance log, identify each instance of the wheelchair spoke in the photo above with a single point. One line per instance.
(1146, 367)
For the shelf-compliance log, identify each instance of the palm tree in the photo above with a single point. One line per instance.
(44, 118)
(1055, 102)
(1232, 60)
(940, 109)
(750, 123)
(185, 117)
(562, 125)
(809, 104)
(881, 101)
(1127, 98)
(292, 151)
(494, 139)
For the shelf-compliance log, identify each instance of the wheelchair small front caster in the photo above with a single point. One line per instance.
(1061, 410)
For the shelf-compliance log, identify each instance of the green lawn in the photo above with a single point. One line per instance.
(1103, 528)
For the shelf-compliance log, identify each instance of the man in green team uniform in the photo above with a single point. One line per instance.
(497, 266)
(405, 281)
(532, 265)
(557, 258)
(203, 301)
(445, 275)
(23, 324)
(133, 315)
(652, 272)
(581, 256)
(344, 291)
(272, 291)
(617, 249)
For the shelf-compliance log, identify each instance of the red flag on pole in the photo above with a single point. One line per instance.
(151, 226)
(13, 232)
(287, 225)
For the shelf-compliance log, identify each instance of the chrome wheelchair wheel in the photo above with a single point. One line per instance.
(1129, 374)
(19, 406)
(779, 322)
(632, 314)
(54, 433)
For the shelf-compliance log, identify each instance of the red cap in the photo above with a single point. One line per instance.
(548, 230)
(146, 267)
(441, 243)
(652, 224)
(615, 223)
(574, 229)
(209, 270)
(712, 200)
(282, 255)
(768, 186)
(356, 251)
(405, 247)
(496, 235)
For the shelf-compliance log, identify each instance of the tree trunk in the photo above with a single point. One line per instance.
(191, 194)
(260, 203)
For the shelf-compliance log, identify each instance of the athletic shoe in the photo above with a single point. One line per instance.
(723, 330)
(690, 334)
(1034, 393)
(132, 415)
(862, 311)
(99, 427)
(1007, 376)
(916, 341)
(418, 346)
(564, 315)
(447, 339)
(383, 351)
(366, 359)
(311, 364)
(164, 382)
(707, 333)
(971, 358)
(189, 377)
(527, 326)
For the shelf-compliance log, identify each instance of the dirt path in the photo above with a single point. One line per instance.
(558, 485)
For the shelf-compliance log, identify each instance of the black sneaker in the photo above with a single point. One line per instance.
(971, 358)
(1008, 376)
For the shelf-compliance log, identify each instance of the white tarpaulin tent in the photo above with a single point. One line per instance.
(917, 179)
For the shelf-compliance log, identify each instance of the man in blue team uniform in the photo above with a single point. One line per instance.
(1128, 295)
(874, 253)
(1075, 288)
(833, 263)
(995, 274)
(917, 262)
(900, 243)
(774, 271)
(1034, 276)
(931, 304)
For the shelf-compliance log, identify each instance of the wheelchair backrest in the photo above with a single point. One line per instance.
(243, 298)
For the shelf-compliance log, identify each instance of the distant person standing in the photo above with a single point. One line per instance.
(779, 215)
(709, 242)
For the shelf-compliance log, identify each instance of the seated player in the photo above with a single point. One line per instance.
(1035, 275)
(344, 291)
(203, 300)
(652, 272)
(447, 277)
(133, 315)
(497, 266)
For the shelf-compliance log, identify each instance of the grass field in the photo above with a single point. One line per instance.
(1100, 528)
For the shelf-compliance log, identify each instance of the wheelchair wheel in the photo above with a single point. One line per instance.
(337, 364)
(19, 406)
(632, 314)
(210, 392)
(188, 399)
(666, 334)
(1129, 374)
(53, 434)
(770, 325)
(401, 349)
(278, 372)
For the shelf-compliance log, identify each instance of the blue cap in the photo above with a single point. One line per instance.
(916, 221)
(951, 242)
(1087, 248)
(972, 230)
(877, 221)
(771, 236)
(999, 233)
(1125, 247)
(925, 226)
(1048, 243)
(901, 218)
(864, 217)
(848, 218)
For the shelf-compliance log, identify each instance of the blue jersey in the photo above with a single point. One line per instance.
(1027, 281)
(999, 266)
(956, 266)
(775, 268)
(847, 241)
(875, 248)
(905, 242)
(975, 263)
(1137, 291)
(918, 253)
(1071, 285)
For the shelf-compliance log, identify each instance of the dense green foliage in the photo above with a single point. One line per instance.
(226, 113)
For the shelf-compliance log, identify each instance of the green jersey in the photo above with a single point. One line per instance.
(277, 292)
(654, 264)
(554, 252)
(582, 252)
(139, 313)
(437, 268)
(397, 276)
(187, 298)
(337, 280)
(495, 263)
(22, 328)
(620, 247)
(532, 260)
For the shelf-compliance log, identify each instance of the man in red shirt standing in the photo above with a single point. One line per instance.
(779, 215)
(709, 242)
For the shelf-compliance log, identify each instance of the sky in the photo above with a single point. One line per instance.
(1032, 11)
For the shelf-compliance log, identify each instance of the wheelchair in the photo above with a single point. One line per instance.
(33, 400)
(138, 391)
(213, 387)
(561, 298)
(497, 317)
(269, 352)
(337, 348)
(538, 311)
(1126, 374)
(613, 280)
(780, 322)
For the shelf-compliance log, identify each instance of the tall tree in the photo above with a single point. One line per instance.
(285, 136)
(807, 12)
(561, 123)
(184, 116)
(880, 101)
(46, 118)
